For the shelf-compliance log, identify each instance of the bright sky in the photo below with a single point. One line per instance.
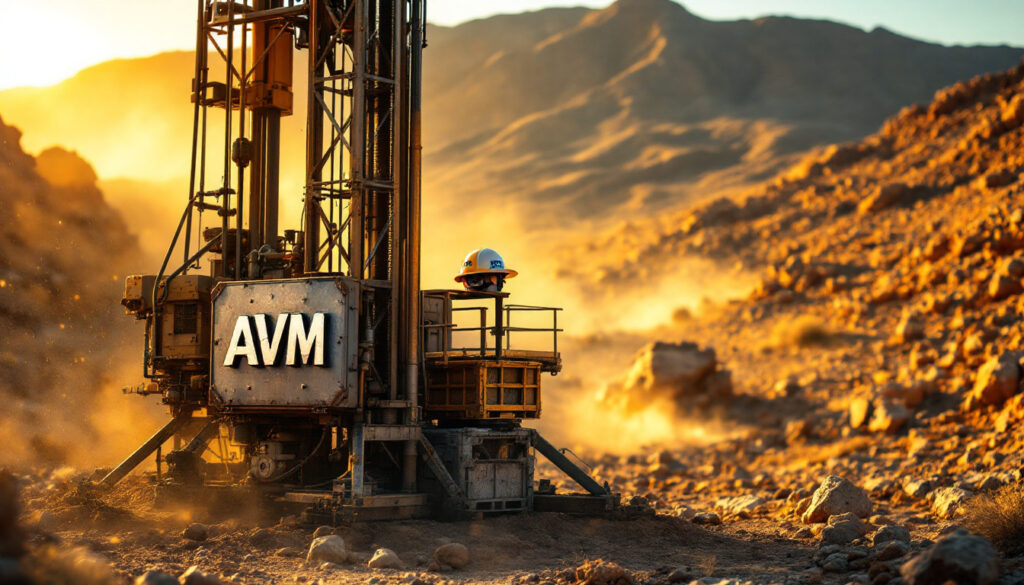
(45, 41)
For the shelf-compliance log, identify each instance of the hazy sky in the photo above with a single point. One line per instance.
(45, 41)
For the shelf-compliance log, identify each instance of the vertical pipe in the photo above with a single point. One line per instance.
(229, 102)
(314, 126)
(271, 190)
(414, 186)
(257, 176)
(412, 280)
(198, 89)
(357, 223)
(239, 198)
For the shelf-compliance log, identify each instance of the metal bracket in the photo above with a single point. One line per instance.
(436, 466)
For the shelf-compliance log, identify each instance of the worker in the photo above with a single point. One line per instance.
(484, 270)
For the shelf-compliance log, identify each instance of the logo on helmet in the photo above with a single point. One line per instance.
(497, 265)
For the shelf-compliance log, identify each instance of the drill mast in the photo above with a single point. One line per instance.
(302, 352)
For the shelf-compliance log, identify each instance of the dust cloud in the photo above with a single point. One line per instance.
(63, 257)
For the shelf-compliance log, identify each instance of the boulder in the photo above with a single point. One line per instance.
(670, 371)
(843, 529)
(860, 410)
(193, 576)
(836, 496)
(329, 549)
(385, 558)
(910, 327)
(947, 501)
(890, 533)
(453, 554)
(996, 381)
(154, 577)
(683, 511)
(599, 572)
(835, 563)
(1003, 287)
(671, 366)
(197, 532)
(917, 488)
(888, 417)
(958, 557)
(891, 550)
(323, 531)
(884, 197)
(743, 506)
(707, 519)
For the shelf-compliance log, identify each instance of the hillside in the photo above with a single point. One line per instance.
(644, 104)
(625, 109)
(844, 423)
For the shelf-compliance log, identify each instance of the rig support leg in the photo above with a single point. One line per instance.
(568, 467)
(147, 448)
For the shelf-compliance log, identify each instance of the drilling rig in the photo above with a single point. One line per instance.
(306, 364)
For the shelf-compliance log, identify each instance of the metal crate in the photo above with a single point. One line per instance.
(481, 390)
(494, 469)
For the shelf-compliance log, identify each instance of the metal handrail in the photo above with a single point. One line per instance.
(553, 329)
(498, 330)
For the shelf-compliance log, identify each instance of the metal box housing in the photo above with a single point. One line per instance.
(184, 328)
(493, 468)
(322, 377)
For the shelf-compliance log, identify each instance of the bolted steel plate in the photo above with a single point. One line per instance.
(285, 344)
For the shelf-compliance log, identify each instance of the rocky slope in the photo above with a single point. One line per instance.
(883, 345)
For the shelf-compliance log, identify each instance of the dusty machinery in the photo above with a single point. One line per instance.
(308, 365)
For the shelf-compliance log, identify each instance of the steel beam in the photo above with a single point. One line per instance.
(568, 467)
(147, 448)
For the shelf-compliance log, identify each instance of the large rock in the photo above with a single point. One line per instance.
(890, 533)
(323, 531)
(883, 197)
(836, 496)
(743, 506)
(197, 532)
(996, 382)
(385, 558)
(959, 557)
(671, 366)
(1002, 286)
(330, 548)
(910, 327)
(843, 529)
(671, 371)
(193, 576)
(888, 417)
(453, 554)
(154, 577)
(947, 501)
(600, 572)
(860, 410)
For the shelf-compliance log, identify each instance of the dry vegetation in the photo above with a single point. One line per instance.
(999, 517)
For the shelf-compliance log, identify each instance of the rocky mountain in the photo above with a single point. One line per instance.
(592, 112)
(644, 103)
